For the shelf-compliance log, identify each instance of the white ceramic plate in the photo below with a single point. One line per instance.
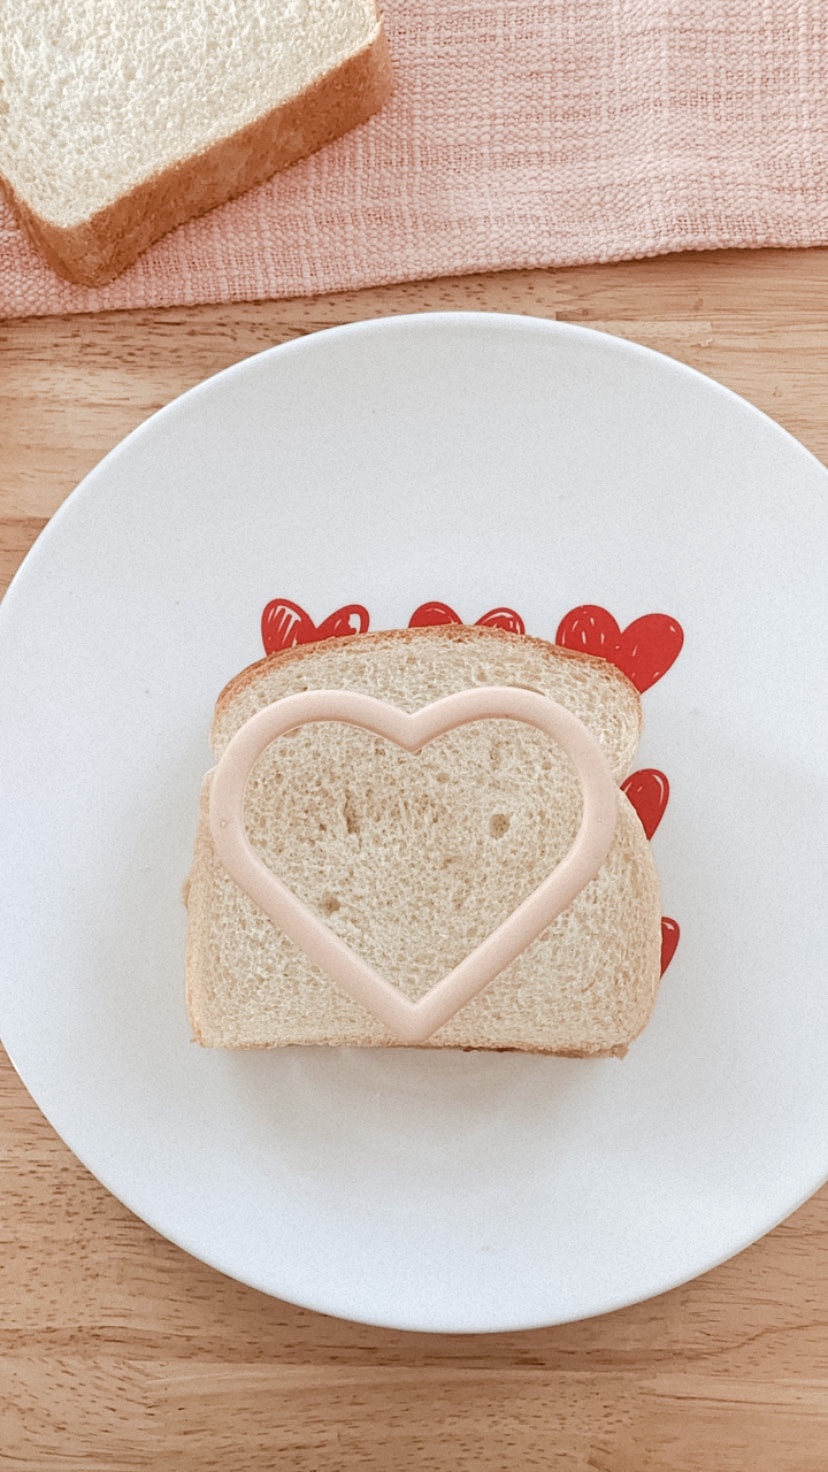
(484, 461)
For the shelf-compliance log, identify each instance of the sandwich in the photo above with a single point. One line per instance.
(408, 858)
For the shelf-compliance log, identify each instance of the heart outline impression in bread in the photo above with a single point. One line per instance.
(585, 988)
(413, 1021)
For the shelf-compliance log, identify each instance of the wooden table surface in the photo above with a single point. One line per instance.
(119, 1352)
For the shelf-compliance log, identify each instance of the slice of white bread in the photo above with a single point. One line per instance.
(120, 121)
(414, 859)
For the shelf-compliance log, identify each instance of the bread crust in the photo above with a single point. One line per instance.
(456, 633)
(97, 250)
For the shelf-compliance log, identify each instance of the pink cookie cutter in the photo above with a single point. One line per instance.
(413, 1022)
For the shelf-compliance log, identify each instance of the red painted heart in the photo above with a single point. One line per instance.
(430, 614)
(644, 651)
(286, 624)
(669, 940)
(649, 792)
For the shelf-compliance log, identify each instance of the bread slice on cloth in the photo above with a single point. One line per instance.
(413, 859)
(120, 121)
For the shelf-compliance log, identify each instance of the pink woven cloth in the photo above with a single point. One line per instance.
(522, 133)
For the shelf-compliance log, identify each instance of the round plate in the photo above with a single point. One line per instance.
(482, 461)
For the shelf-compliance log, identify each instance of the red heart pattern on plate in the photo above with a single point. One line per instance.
(644, 650)
(286, 624)
(649, 793)
(669, 940)
(430, 614)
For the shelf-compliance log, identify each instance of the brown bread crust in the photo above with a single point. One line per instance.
(456, 633)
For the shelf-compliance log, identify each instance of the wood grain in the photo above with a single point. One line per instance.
(119, 1352)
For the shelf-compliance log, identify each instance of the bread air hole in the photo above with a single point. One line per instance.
(329, 904)
(499, 824)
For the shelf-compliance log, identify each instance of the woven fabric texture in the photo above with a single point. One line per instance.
(521, 133)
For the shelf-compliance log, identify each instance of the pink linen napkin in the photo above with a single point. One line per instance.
(521, 133)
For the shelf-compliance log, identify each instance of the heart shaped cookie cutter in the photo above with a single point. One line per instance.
(413, 1022)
